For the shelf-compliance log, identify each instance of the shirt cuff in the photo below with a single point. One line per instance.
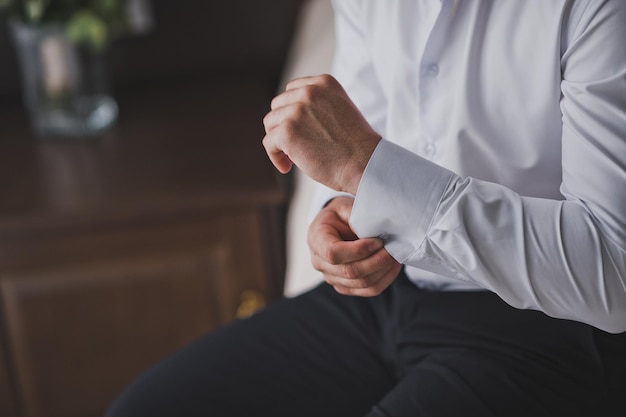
(322, 196)
(398, 197)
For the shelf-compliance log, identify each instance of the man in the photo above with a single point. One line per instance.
(472, 233)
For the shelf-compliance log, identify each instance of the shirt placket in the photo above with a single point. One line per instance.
(432, 76)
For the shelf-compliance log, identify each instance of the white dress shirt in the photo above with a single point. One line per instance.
(503, 159)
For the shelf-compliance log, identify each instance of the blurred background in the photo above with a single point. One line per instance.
(188, 38)
(121, 243)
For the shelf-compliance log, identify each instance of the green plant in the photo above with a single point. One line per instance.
(91, 23)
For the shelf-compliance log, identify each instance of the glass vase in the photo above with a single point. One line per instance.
(64, 85)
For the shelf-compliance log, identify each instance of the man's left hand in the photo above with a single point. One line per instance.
(316, 126)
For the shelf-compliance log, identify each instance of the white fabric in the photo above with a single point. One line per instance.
(503, 164)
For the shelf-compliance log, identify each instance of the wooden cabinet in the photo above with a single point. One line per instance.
(118, 250)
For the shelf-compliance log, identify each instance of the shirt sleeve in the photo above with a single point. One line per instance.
(566, 258)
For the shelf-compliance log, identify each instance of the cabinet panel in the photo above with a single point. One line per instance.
(78, 334)
(7, 398)
(85, 310)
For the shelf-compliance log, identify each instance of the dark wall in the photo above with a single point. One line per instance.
(191, 38)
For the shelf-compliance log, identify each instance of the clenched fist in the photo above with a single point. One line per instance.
(316, 126)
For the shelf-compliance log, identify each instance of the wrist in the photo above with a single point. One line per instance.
(359, 162)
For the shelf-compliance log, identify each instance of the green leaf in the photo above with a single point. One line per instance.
(35, 10)
(86, 28)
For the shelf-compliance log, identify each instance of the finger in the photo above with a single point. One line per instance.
(286, 98)
(358, 274)
(303, 81)
(325, 80)
(276, 117)
(331, 225)
(377, 286)
(355, 284)
(331, 239)
(337, 251)
(279, 159)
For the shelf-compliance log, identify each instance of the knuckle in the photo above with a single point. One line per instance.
(331, 255)
(276, 102)
(350, 271)
(266, 119)
(298, 110)
(384, 262)
(311, 238)
(317, 264)
(289, 127)
(310, 93)
(327, 79)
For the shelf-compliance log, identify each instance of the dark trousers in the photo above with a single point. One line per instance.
(407, 352)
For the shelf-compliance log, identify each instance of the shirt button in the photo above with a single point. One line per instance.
(429, 150)
(433, 70)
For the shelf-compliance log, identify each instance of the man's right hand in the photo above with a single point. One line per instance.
(353, 266)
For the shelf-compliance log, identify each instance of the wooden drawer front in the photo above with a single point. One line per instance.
(77, 335)
(77, 331)
(7, 396)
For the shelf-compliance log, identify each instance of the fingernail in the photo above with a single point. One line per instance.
(375, 245)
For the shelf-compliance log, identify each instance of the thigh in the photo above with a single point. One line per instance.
(471, 354)
(475, 384)
(318, 354)
(612, 348)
